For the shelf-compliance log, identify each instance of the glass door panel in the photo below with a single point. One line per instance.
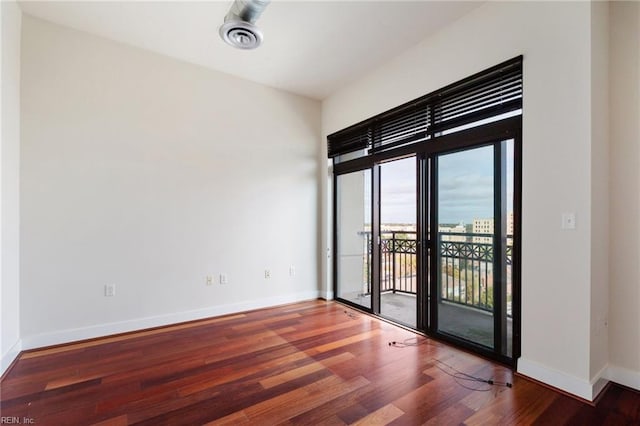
(353, 234)
(465, 245)
(398, 248)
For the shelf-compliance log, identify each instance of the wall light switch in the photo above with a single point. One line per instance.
(568, 221)
(224, 279)
(209, 280)
(110, 290)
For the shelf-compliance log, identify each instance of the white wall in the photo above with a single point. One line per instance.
(624, 297)
(557, 150)
(10, 344)
(599, 192)
(151, 174)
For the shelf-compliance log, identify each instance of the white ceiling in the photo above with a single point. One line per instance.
(311, 48)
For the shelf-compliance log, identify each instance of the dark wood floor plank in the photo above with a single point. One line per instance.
(301, 364)
(382, 416)
(275, 411)
(114, 421)
(453, 415)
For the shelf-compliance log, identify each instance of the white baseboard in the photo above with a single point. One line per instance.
(10, 356)
(584, 389)
(72, 335)
(623, 376)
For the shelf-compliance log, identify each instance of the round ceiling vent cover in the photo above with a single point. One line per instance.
(240, 34)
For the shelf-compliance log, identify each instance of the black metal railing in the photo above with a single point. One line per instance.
(465, 262)
(398, 272)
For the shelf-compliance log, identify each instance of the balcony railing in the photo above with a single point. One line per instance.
(465, 262)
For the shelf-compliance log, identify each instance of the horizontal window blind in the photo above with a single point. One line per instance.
(492, 93)
(487, 94)
(409, 124)
(354, 138)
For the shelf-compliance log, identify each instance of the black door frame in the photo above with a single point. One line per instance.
(487, 134)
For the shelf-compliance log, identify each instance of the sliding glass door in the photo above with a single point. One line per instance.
(427, 241)
(398, 248)
(354, 242)
(474, 217)
(465, 244)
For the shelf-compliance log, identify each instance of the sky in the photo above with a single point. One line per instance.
(465, 187)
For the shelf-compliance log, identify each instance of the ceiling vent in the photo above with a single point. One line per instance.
(239, 28)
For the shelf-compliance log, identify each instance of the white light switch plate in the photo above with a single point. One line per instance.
(110, 290)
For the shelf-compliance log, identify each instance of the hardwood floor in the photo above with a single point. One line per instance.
(308, 363)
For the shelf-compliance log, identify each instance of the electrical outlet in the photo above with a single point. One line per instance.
(292, 271)
(209, 280)
(224, 279)
(568, 221)
(110, 290)
(267, 274)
